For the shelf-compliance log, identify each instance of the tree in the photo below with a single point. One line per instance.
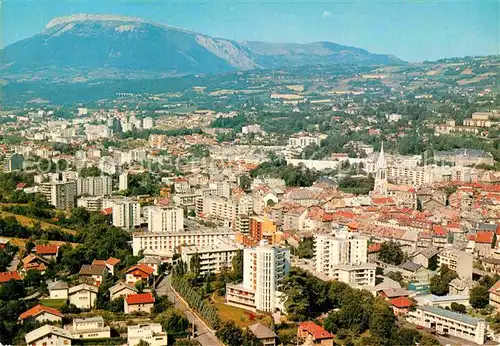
(237, 262)
(458, 307)
(139, 285)
(390, 252)
(195, 265)
(173, 322)
(439, 283)
(11, 290)
(230, 334)
(143, 343)
(306, 248)
(479, 297)
(245, 182)
(33, 278)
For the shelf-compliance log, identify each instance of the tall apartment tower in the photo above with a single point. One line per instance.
(60, 194)
(166, 219)
(126, 214)
(343, 256)
(123, 181)
(264, 268)
(94, 186)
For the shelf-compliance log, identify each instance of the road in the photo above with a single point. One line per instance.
(203, 334)
(13, 265)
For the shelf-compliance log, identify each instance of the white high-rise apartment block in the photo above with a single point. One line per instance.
(60, 194)
(123, 181)
(126, 214)
(147, 123)
(304, 140)
(264, 268)
(343, 256)
(94, 186)
(166, 219)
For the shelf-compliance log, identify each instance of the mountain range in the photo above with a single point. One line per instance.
(82, 47)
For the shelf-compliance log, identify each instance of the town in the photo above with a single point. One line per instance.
(301, 206)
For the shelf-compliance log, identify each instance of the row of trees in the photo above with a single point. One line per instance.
(195, 300)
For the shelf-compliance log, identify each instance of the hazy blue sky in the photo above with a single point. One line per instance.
(412, 30)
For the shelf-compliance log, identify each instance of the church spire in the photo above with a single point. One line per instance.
(381, 163)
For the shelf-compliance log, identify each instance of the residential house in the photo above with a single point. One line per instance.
(373, 250)
(491, 265)
(153, 262)
(48, 335)
(139, 272)
(459, 261)
(461, 287)
(34, 262)
(484, 243)
(140, 302)
(427, 258)
(110, 264)
(83, 296)
(58, 290)
(401, 305)
(495, 295)
(89, 328)
(93, 274)
(311, 333)
(414, 271)
(7, 276)
(121, 289)
(392, 293)
(151, 333)
(49, 252)
(41, 313)
(265, 335)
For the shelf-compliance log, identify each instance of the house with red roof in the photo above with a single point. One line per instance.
(42, 313)
(484, 243)
(34, 262)
(140, 302)
(401, 305)
(110, 264)
(49, 252)
(495, 295)
(313, 334)
(139, 272)
(7, 276)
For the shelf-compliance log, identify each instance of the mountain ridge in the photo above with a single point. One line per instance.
(126, 46)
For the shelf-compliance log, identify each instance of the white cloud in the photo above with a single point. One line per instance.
(326, 14)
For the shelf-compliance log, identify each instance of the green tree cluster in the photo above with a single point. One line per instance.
(439, 283)
(390, 252)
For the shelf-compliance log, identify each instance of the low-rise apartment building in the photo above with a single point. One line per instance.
(167, 242)
(213, 258)
(450, 323)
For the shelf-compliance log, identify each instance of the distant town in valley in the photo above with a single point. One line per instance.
(338, 198)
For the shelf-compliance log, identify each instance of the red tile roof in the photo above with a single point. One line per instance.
(401, 302)
(140, 298)
(374, 247)
(7, 276)
(50, 249)
(107, 211)
(38, 309)
(484, 237)
(112, 261)
(316, 331)
(495, 289)
(142, 267)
